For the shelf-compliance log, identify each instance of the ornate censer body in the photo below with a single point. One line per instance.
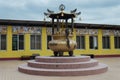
(60, 44)
(62, 40)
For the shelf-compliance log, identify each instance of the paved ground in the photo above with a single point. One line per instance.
(8, 71)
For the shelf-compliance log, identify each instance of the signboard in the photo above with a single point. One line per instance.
(86, 31)
(22, 29)
(93, 31)
(49, 31)
(107, 32)
(116, 32)
(3, 29)
(111, 32)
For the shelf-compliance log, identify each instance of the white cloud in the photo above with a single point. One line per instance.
(93, 11)
(12, 3)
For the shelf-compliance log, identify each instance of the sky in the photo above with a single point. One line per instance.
(92, 11)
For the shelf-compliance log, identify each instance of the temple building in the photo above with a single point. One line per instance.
(20, 37)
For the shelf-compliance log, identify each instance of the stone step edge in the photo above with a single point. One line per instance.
(90, 63)
(100, 65)
(33, 61)
(48, 59)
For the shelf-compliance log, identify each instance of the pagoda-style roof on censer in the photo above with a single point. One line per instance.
(61, 14)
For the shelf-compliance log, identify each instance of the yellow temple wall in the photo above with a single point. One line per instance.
(45, 52)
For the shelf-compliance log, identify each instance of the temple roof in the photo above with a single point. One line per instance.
(48, 24)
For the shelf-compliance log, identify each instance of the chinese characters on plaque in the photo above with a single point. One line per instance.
(16, 29)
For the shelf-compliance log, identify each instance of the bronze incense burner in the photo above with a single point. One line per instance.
(62, 40)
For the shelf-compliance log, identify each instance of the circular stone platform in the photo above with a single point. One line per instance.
(63, 66)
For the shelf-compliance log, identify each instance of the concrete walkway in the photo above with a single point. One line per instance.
(8, 71)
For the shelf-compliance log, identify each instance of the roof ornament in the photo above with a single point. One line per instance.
(73, 11)
(50, 11)
(78, 13)
(62, 7)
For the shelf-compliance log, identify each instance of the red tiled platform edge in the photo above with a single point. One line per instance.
(63, 66)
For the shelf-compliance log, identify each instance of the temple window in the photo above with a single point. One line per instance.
(93, 42)
(49, 38)
(117, 42)
(3, 37)
(3, 42)
(80, 42)
(17, 42)
(106, 42)
(35, 41)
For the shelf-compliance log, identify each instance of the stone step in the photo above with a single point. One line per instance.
(74, 65)
(100, 68)
(62, 59)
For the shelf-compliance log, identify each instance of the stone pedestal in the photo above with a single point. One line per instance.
(63, 66)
